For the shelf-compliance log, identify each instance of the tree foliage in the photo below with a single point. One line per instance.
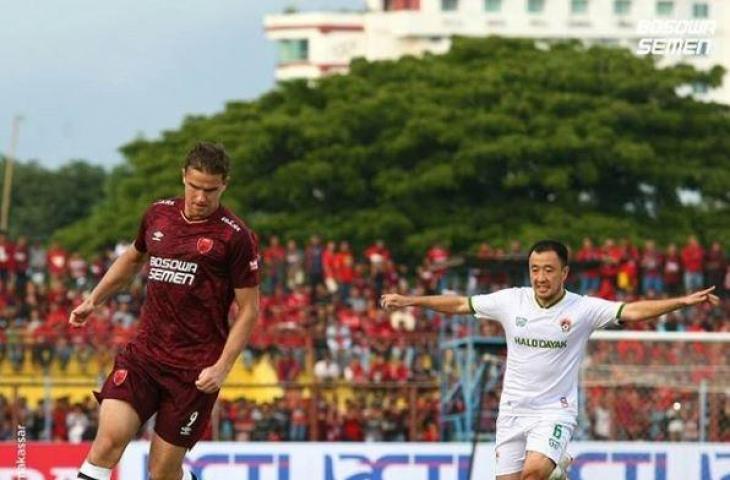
(44, 200)
(497, 139)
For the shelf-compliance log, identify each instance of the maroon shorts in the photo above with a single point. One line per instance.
(183, 411)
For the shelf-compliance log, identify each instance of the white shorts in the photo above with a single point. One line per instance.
(517, 434)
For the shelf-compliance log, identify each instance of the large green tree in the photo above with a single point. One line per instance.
(44, 200)
(496, 139)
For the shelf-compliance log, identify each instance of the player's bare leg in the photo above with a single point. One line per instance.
(510, 476)
(118, 424)
(537, 467)
(166, 461)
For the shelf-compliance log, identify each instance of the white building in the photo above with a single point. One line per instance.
(315, 44)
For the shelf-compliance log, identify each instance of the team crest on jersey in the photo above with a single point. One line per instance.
(205, 245)
(119, 376)
(520, 321)
(565, 324)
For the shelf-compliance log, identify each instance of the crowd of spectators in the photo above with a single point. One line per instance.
(320, 317)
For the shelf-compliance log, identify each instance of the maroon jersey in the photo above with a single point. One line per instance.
(194, 268)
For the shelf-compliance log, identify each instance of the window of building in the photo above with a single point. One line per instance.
(293, 50)
(578, 7)
(621, 7)
(700, 10)
(535, 6)
(449, 5)
(492, 5)
(664, 8)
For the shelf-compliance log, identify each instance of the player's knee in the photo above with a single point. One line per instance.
(164, 475)
(160, 471)
(106, 450)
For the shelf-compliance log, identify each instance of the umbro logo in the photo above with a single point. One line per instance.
(157, 236)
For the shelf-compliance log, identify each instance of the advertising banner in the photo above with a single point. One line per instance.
(22, 460)
(433, 461)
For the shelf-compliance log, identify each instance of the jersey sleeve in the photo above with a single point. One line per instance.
(245, 261)
(489, 305)
(140, 243)
(603, 313)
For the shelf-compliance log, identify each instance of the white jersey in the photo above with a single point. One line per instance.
(545, 346)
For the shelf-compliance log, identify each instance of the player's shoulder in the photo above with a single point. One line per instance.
(234, 224)
(586, 300)
(511, 293)
(163, 205)
(519, 293)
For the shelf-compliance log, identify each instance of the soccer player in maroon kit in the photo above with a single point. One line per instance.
(201, 259)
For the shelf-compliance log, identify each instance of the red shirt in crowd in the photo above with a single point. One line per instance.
(56, 258)
(692, 255)
(589, 253)
(274, 254)
(438, 256)
(329, 260)
(344, 266)
(20, 256)
(7, 251)
(377, 253)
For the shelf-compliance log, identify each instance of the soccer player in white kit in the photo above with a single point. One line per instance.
(546, 329)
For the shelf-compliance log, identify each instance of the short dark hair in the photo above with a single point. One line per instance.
(551, 246)
(209, 158)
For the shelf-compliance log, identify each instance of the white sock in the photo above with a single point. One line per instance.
(561, 469)
(187, 474)
(557, 474)
(92, 471)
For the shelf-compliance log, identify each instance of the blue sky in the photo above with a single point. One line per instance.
(89, 76)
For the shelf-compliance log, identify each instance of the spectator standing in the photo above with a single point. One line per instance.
(693, 264)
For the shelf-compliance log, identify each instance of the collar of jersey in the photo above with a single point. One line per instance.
(187, 220)
(560, 299)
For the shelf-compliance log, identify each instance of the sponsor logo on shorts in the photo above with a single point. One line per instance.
(187, 429)
(119, 376)
(564, 402)
(204, 245)
(253, 265)
(554, 444)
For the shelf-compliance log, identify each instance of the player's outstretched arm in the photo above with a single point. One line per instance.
(119, 275)
(643, 309)
(441, 303)
(211, 378)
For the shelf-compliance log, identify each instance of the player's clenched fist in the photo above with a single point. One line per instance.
(211, 379)
(393, 301)
(80, 314)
